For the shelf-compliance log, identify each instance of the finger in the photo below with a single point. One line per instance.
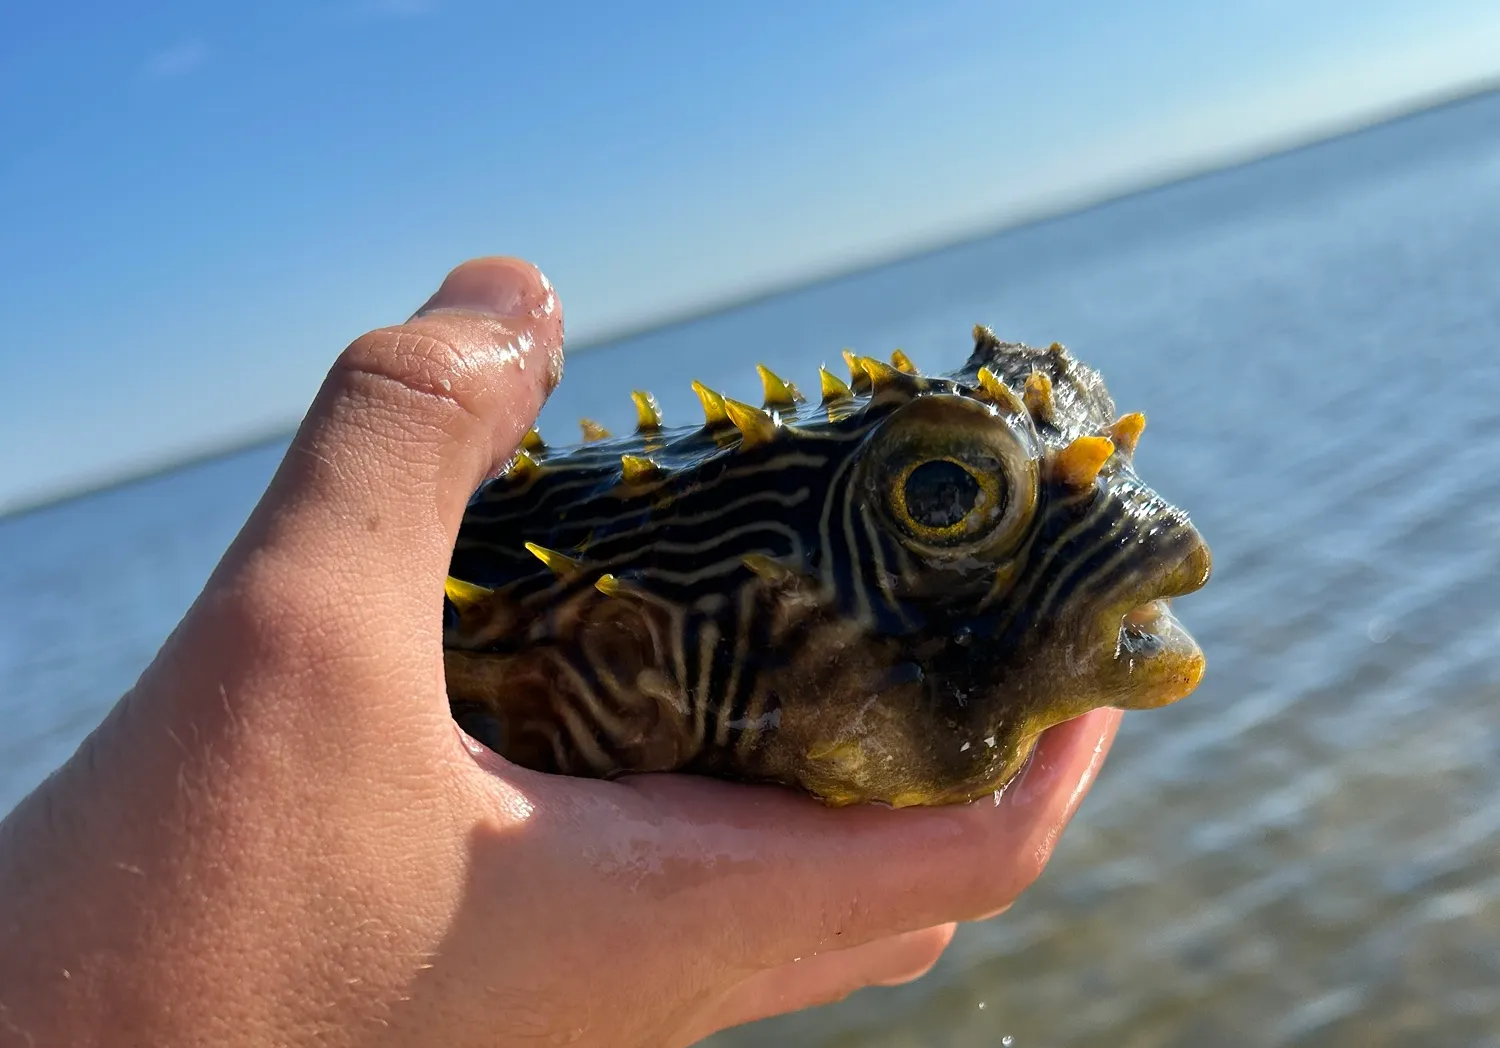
(828, 977)
(830, 878)
(408, 422)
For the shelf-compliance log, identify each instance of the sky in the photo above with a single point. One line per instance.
(202, 202)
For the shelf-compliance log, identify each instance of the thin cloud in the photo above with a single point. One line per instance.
(176, 61)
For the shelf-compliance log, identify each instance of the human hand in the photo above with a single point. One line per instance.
(279, 836)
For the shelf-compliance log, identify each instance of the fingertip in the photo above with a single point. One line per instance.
(921, 951)
(829, 976)
(499, 285)
(1037, 808)
(411, 419)
(999, 849)
(510, 290)
(480, 356)
(1066, 761)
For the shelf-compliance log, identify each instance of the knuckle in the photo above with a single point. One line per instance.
(423, 364)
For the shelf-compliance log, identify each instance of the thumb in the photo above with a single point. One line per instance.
(410, 419)
(322, 618)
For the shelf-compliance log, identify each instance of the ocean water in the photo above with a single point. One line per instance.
(1307, 850)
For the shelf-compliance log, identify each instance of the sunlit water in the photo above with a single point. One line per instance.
(1307, 851)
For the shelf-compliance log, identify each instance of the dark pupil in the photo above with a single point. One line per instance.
(939, 494)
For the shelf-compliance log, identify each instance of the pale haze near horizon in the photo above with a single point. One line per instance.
(199, 207)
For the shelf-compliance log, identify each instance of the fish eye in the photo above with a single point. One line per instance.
(952, 477)
(945, 499)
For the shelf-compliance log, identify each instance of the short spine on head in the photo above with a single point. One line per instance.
(1078, 464)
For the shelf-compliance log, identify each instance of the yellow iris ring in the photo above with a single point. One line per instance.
(989, 503)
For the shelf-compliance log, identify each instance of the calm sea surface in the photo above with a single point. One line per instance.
(1306, 851)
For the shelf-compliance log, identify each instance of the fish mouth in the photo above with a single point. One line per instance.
(1144, 625)
(1156, 659)
(1150, 630)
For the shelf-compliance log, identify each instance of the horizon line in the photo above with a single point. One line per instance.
(1082, 203)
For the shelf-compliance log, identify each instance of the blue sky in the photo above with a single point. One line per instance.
(201, 203)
